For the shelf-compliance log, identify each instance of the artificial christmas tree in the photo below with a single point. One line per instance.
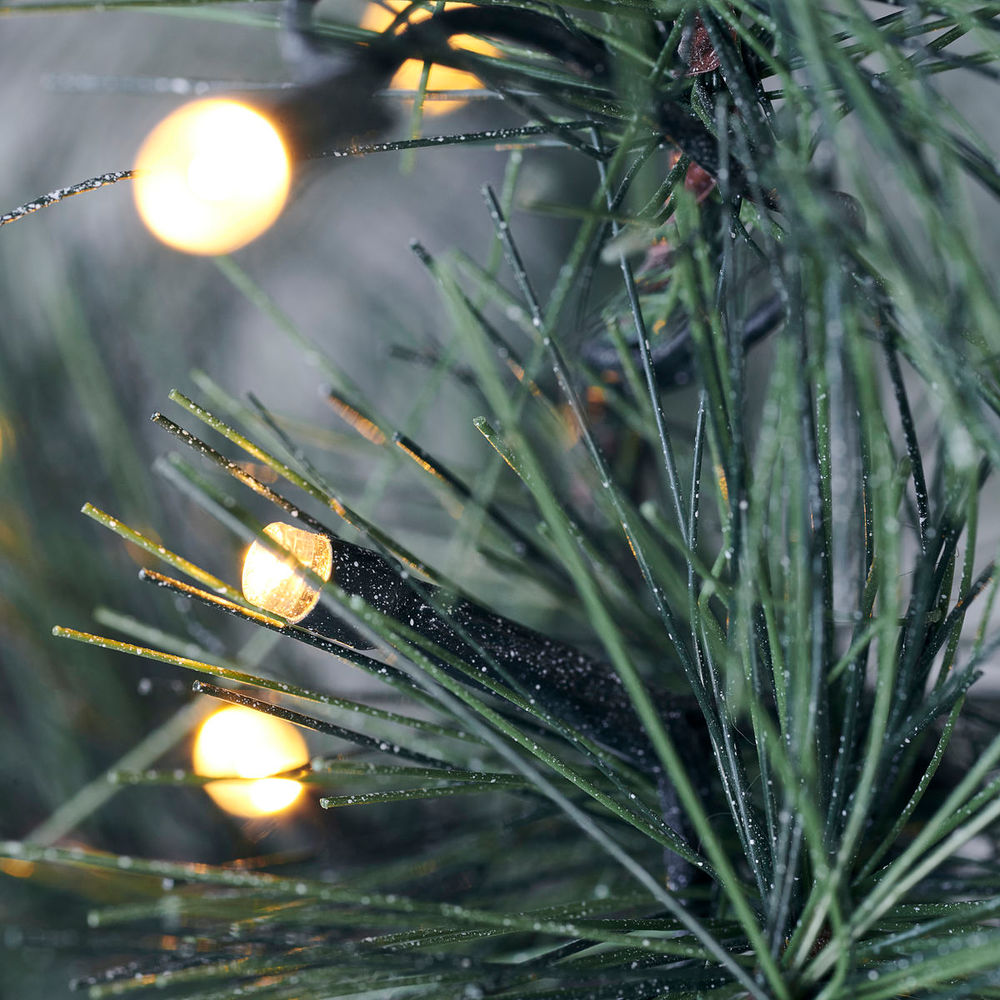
(686, 643)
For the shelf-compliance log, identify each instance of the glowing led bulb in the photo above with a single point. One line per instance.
(378, 17)
(211, 177)
(271, 582)
(239, 742)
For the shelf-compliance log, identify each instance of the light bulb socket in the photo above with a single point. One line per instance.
(334, 104)
(673, 359)
(567, 683)
(324, 622)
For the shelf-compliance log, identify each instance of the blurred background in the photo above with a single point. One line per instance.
(99, 322)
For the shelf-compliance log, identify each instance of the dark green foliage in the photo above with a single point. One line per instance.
(770, 542)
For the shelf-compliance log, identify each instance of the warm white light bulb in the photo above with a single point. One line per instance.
(271, 582)
(239, 742)
(211, 177)
(379, 15)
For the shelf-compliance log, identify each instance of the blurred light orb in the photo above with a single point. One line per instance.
(6, 437)
(378, 17)
(238, 742)
(272, 583)
(211, 177)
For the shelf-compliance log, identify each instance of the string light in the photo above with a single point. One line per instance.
(379, 16)
(272, 583)
(238, 742)
(211, 177)
(584, 692)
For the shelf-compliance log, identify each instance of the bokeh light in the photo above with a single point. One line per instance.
(272, 583)
(17, 868)
(239, 742)
(6, 437)
(211, 177)
(378, 17)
